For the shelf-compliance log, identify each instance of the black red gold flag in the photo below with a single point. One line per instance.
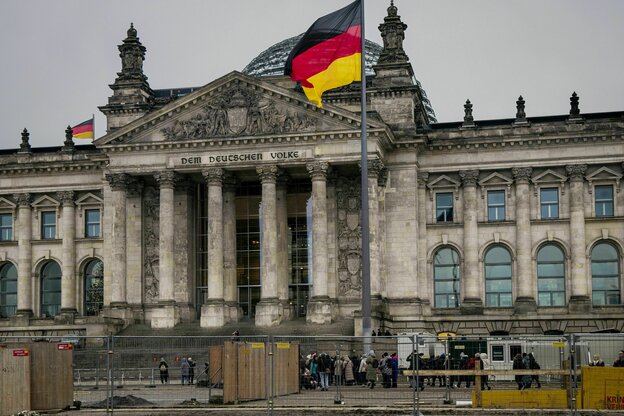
(329, 54)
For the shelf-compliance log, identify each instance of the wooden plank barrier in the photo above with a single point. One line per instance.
(603, 388)
(14, 379)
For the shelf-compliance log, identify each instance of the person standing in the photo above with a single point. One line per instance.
(517, 365)
(534, 365)
(371, 369)
(362, 371)
(184, 371)
(620, 361)
(395, 370)
(485, 365)
(164, 371)
(597, 362)
(348, 370)
(191, 370)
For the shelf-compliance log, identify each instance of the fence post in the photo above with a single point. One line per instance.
(573, 378)
(477, 385)
(110, 406)
(417, 379)
(449, 379)
(269, 375)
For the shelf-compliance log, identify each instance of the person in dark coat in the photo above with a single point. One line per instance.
(184, 371)
(191, 370)
(416, 364)
(395, 370)
(620, 361)
(164, 371)
(517, 365)
(534, 365)
(596, 362)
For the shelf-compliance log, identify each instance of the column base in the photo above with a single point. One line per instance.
(233, 312)
(66, 316)
(119, 310)
(213, 314)
(580, 304)
(21, 318)
(166, 315)
(471, 306)
(524, 305)
(269, 312)
(404, 308)
(287, 310)
(320, 311)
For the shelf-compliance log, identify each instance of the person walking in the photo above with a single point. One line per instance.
(371, 369)
(485, 365)
(534, 365)
(517, 365)
(163, 368)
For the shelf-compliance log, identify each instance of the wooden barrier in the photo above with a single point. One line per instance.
(14, 379)
(603, 388)
(44, 373)
(245, 374)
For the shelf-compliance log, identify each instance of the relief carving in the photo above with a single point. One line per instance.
(151, 215)
(239, 111)
(349, 235)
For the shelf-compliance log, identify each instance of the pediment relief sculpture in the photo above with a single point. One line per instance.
(237, 112)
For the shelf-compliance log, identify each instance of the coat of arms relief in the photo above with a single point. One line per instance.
(239, 111)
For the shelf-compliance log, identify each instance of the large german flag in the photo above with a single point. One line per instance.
(329, 53)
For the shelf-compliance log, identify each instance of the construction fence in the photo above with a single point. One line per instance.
(420, 373)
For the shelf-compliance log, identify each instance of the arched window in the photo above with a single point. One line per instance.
(50, 289)
(446, 278)
(551, 276)
(8, 290)
(498, 278)
(93, 287)
(605, 267)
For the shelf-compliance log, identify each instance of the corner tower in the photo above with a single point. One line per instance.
(132, 96)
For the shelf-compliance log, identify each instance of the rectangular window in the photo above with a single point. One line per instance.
(496, 205)
(604, 200)
(92, 223)
(444, 207)
(549, 203)
(48, 225)
(6, 227)
(498, 353)
(514, 350)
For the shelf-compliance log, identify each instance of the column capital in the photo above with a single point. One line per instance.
(66, 197)
(282, 179)
(469, 177)
(267, 173)
(375, 166)
(134, 187)
(423, 178)
(576, 172)
(522, 175)
(118, 181)
(213, 176)
(318, 170)
(23, 199)
(382, 178)
(167, 178)
(229, 181)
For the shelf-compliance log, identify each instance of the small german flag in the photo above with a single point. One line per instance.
(84, 130)
(329, 54)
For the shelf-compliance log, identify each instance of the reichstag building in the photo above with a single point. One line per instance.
(240, 200)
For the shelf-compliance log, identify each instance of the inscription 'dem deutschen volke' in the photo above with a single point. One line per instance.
(243, 157)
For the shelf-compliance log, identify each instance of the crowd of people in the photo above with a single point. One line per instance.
(187, 371)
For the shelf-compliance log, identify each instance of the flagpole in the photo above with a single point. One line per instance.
(366, 285)
(93, 117)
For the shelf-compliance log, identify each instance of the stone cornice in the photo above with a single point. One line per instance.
(43, 167)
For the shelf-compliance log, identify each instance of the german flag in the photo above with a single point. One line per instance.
(84, 130)
(329, 53)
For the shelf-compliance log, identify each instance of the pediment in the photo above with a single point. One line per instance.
(45, 201)
(495, 179)
(605, 174)
(443, 181)
(89, 199)
(5, 204)
(236, 107)
(549, 176)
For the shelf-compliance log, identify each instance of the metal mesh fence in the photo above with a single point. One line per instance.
(416, 372)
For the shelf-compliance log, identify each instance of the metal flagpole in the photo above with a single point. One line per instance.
(93, 118)
(366, 296)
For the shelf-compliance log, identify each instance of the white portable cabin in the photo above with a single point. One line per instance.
(427, 344)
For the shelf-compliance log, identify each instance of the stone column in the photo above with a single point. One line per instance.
(424, 286)
(213, 310)
(134, 247)
(68, 282)
(579, 298)
(282, 243)
(229, 248)
(374, 168)
(118, 183)
(268, 310)
(526, 284)
(167, 314)
(472, 281)
(319, 306)
(24, 255)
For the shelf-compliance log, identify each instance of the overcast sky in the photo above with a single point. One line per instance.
(58, 57)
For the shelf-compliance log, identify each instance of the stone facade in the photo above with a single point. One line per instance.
(159, 201)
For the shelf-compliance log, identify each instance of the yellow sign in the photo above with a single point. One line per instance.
(257, 345)
(447, 335)
(558, 344)
(460, 347)
(282, 345)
